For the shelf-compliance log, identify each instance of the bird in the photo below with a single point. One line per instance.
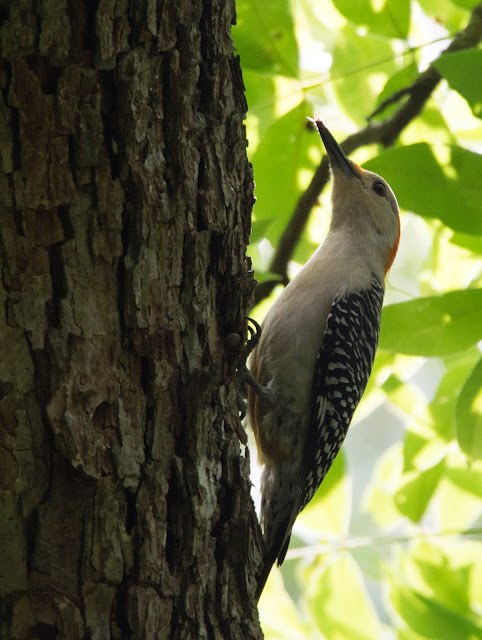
(316, 346)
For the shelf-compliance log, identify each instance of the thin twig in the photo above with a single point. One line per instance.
(395, 97)
(373, 542)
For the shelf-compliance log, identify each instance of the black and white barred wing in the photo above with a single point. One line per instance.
(342, 370)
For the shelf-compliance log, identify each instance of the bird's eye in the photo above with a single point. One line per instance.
(379, 188)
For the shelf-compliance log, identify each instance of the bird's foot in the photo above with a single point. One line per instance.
(243, 373)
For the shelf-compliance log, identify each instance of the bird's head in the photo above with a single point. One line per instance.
(362, 200)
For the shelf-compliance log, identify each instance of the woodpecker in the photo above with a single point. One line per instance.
(317, 346)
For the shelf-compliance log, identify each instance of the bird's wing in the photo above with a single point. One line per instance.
(342, 369)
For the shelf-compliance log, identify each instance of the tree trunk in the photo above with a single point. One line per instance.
(125, 197)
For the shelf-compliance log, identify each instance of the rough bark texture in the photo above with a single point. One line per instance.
(125, 197)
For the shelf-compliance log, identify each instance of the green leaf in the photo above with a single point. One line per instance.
(421, 450)
(417, 490)
(261, 97)
(442, 407)
(392, 20)
(408, 634)
(437, 573)
(466, 4)
(264, 276)
(433, 326)
(281, 156)
(471, 243)
(269, 98)
(432, 592)
(264, 37)
(459, 496)
(355, 59)
(403, 78)
(422, 186)
(339, 585)
(431, 619)
(446, 13)
(259, 229)
(468, 414)
(468, 480)
(462, 70)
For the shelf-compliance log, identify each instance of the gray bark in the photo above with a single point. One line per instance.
(125, 201)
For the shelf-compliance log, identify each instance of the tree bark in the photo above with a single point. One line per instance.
(125, 197)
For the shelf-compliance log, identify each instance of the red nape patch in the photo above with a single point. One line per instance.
(393, 251)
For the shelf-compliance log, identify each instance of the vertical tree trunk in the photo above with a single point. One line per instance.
(125, 197)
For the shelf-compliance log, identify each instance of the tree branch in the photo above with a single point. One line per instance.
(385, 133)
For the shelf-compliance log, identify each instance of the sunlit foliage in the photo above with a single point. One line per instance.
(391, 546)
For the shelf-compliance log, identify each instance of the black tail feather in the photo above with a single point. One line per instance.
(284, 549)
(277, 552)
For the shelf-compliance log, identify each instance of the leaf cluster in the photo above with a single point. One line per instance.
(394, 533)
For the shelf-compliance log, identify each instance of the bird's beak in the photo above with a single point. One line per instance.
(335, 152)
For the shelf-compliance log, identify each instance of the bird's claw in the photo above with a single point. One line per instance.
(253, 340)
(244, 375)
